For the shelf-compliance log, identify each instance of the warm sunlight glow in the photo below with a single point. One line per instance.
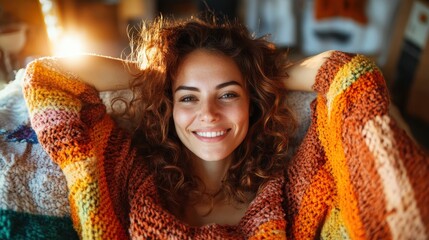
(69, 44)
(50, 14)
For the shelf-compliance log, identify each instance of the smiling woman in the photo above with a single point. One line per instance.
(211, 118)
(211, 106)
(209, 157)
(212, 144)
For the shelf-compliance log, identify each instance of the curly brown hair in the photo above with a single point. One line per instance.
(159, 49)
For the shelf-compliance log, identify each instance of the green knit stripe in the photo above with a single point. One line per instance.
(20, 225)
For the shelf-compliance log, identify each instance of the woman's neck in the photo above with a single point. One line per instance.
(213, 207)
(211, 173)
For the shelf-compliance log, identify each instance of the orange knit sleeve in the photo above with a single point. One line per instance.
(379, 172)
(71, 123)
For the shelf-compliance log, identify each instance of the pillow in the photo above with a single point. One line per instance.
(33, 190)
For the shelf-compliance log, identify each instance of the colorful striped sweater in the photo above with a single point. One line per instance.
(356, 175)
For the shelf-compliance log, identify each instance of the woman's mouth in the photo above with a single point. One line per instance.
(211, 135)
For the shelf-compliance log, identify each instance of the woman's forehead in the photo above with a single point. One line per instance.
(204, 66)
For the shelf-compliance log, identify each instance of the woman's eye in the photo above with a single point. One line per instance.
(188, 99)
(229, 96)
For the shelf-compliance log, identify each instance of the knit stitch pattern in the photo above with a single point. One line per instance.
(33, 192)
(356, 174)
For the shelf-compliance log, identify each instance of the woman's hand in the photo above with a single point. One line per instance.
(302, 74)
(103, 73)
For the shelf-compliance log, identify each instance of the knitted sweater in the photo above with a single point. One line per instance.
(356, 174)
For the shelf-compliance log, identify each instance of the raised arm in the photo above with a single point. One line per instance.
(303, 73)
(102, 72)
(72, 125)
(363, 165)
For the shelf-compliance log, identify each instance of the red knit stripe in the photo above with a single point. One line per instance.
(303, 167)
(114, 165)
(316, 203)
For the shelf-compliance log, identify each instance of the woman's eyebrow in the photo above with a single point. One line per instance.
(183, 87)
(226, 84)
(222, 85)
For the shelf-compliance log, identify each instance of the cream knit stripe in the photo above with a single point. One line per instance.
(403, 217)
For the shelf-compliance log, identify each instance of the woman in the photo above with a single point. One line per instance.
(208, 157)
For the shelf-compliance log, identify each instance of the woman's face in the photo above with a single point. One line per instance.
(211, 105)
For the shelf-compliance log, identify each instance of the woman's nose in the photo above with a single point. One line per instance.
(209, 111)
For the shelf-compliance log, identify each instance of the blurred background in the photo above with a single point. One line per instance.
(392, 32)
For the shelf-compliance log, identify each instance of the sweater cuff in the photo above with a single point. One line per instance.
(328, 70)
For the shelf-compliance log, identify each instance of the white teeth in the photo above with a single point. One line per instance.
(210, 134)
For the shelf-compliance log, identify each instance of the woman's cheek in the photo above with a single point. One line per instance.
(182, 116)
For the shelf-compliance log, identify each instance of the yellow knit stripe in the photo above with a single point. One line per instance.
(329, 131)
(45, 98)
(404, 217)
(84, 196)
(347, 75)
(275, 229)
(334, 227)
(49, 73)
(80, 170)
(86, 202)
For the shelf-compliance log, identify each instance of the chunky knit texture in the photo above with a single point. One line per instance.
(356, 174)
(33, 190)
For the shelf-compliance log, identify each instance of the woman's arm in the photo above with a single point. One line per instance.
(303, 73)
(366, 153)
(102, 72)
(72, 125)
